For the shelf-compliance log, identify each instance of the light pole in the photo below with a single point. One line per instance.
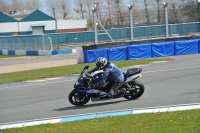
(94, 9)
(165, 4)
(130, 7)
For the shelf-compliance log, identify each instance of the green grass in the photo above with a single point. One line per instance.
(63, 70)
(170, 122)
(8, 56)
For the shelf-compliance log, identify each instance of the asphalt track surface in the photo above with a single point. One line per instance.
(170, 83)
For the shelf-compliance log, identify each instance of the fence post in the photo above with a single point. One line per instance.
(130, 7)
(94, 9)
(19, 43)
(6, 44)
(26, 43)
(51, 43)
(165, 4)
(13, 44)
(43, 43)
(35, 43)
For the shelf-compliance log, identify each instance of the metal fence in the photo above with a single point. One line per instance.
(26, 43)
(140, 21)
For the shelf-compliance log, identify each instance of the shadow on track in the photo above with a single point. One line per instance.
(89, 105)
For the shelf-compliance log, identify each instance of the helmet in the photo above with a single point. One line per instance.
(101, 62)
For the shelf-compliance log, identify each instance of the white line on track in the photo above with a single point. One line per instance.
(51, 82)
(175, 69)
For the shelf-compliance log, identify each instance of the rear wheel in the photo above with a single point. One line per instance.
(136, 92)
(77, 98)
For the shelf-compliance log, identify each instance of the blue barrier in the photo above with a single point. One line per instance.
(61, 52)
(29, 52)
(144, 51)
(1, 52)
(139, 51)
(92, 55)
(199, 46)
(117, 53)
(186, 47)
(162, 49)
(11, 52)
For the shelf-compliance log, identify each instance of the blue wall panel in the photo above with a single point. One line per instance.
(117, 53)
(186, 47)
(92, 55)
(6, 34)
(199, 46)
(139, 51)
(61, 52)
(162, 49)
(1, 52)
(30, 52)
(11, 52)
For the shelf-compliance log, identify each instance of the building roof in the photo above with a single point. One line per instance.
(18, 15)
(29, 15)
(4, 18)
(37, 15)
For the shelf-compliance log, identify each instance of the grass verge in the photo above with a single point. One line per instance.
(170, 122)
(8, 56)
(64, 70)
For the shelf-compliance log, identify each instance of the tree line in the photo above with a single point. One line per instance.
(111, 12)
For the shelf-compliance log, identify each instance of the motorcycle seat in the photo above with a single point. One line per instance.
(132, 71)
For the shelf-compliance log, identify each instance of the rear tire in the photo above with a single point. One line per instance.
(137, 92)
(77, 98)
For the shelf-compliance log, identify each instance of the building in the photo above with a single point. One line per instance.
(36, 23)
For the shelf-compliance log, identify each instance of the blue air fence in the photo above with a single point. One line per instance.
(69, 40)
(133, 52)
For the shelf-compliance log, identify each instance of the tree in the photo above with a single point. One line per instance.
(118, 4)
(89, 4)
(52, 6)
(17, 5)
(2, 6)
(31, 4)
(81, 4)
(190, 9)
(158, 9)
(174, 14)
(109, 4)
(64, 4)
(146, 11)
(137, 18)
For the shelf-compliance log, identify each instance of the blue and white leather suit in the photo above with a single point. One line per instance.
(112, 72)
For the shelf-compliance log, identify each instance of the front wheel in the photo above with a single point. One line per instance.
(137, 89)
(77, 98)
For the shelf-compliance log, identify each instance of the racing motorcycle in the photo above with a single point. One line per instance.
(82, 93)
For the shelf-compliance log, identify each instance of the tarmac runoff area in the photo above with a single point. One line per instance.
(62, 119)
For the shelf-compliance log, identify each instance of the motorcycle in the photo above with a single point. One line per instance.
(81, 94)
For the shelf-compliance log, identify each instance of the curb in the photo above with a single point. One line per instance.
(37, 52)
(169, 108)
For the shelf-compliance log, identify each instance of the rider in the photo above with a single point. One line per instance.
(112, 72)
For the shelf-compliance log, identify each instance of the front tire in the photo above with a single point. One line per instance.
(137, 92)
(77, 98)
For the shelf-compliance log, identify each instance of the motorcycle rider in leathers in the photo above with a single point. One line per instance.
(112, 72)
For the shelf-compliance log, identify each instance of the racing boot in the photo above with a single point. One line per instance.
(121, 92)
